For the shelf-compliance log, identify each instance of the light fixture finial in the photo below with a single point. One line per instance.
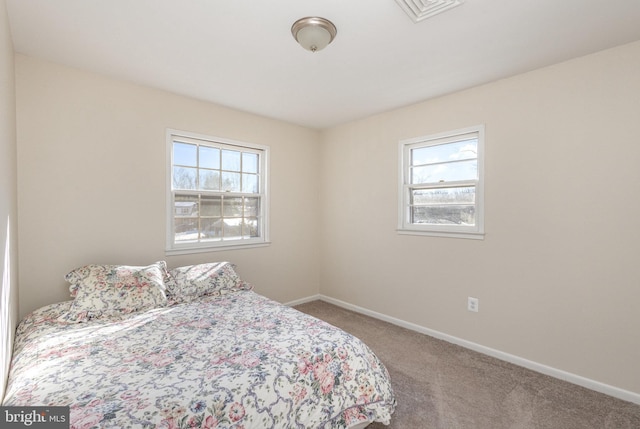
(313, 33)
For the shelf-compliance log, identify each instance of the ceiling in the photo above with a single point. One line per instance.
(241, 54)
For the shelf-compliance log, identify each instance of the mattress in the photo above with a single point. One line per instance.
(238, 360)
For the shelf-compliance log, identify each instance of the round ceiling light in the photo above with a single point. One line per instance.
(313, 33)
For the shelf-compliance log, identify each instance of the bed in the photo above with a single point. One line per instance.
(192, 347)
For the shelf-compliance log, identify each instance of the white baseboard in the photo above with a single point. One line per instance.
(516, 360)
(305, 300)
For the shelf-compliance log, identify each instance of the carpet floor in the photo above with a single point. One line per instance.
(439, 385)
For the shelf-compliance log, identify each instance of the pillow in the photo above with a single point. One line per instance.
(191, 282)
(105, 290)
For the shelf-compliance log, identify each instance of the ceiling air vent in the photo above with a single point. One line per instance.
(423, 9)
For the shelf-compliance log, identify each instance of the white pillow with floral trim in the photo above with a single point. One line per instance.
(191, 282)
(107, 290)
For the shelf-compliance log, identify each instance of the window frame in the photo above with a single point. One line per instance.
(405, 186)
(176, 248)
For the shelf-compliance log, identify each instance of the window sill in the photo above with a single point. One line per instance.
(448, 234)
(218, 248)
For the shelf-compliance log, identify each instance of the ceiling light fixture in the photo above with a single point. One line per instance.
(313, 33)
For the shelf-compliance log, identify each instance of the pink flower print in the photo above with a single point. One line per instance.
(236, 412)
(327, 382)
(370, 390)
(319, 370)
(216, 360)
(342, 353)
(209, 423)
(366, 391)
(372, 361)
(305, 355)
(353, 415)
(160, 360)
(346, 371)
(299, 393)
(169, 423)
(304, 366)
(95, 403)
(51, 354)
(324, 377)
(249, 360)
(123, 271)
(79, 352)
(172, 411)
(25, 396)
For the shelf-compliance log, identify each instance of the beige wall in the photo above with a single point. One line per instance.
(557, 274)
(8, 199)
(91, 182)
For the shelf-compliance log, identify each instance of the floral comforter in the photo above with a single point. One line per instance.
(233, 361)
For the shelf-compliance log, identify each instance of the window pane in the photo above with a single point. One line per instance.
(230, 181)
(251, 207)
(465, 149)
(184, 178)
(443, 215)
(250, 228)
(461, 195)
(211, 228)
(210, 180)
(186, 218)
(186, 229)
(186, 205)
(230, 160)
(232, 207)
(232, 228)
(250, 162)
(250, 183)
(211, 206)
(209, 157)
(185, 154)
(465, 170)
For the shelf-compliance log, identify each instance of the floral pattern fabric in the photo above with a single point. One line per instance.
(103, 290)
(237, 360)
(191, 282)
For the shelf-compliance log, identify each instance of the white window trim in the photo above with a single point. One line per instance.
(188, 248)
(404, 226)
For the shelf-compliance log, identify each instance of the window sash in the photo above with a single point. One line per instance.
(203, 217)
(454, 215)
(237, 217)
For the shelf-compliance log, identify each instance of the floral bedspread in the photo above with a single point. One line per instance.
(233, 361)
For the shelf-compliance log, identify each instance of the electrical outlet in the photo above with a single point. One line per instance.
(473, 304)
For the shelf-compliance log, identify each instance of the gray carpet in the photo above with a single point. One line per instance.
(439, 385)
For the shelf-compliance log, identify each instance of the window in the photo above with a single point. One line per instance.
(441, 184)
(217, 193)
